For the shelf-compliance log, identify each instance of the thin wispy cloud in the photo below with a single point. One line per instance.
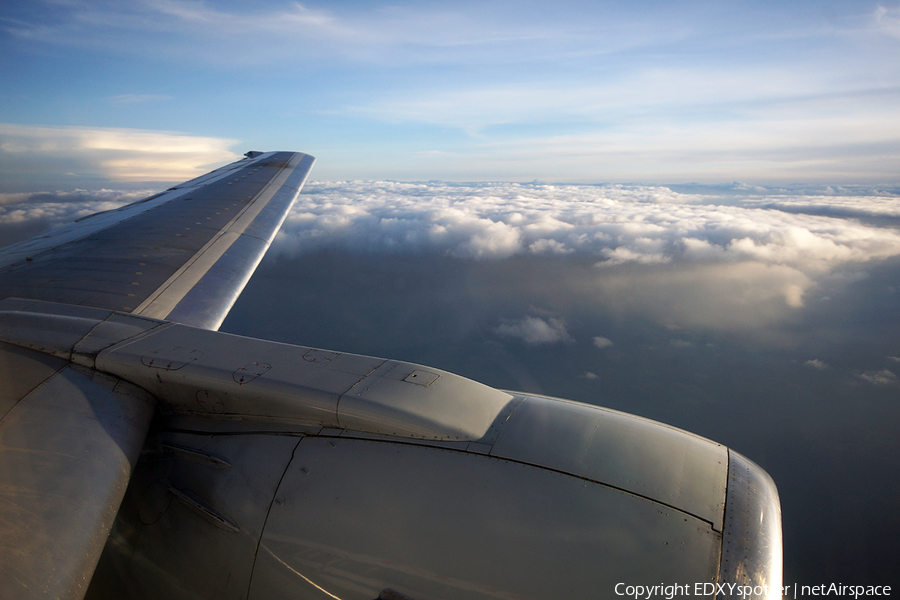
(887, 20)
(366, 33)
(138, 98)
(652, 130)
(292, 19)
(598, 30)
(842, 207)
(468, 91)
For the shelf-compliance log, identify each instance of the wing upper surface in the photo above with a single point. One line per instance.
(183, 255)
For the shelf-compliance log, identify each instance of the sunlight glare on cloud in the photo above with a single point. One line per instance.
(117, 154)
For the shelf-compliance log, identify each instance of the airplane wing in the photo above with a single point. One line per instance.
(280, 471)
(69, 435)
(183, 255)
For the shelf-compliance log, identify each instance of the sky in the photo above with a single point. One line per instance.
(575, 92)
(688, 211)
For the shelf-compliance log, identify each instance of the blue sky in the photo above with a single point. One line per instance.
(659, 92)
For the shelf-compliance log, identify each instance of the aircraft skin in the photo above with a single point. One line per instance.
(144, 454)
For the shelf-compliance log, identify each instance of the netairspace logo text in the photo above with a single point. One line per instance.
(747, 592)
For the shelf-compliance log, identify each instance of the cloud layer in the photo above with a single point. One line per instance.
(692, 260)
(720, 261)
(24, 215)
(613, 224)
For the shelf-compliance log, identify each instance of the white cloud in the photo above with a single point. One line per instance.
(840, 206)
(116, 154)
(623, 255)
(25, 215)
(60, 208)
(535, 330)
(815, 363)
(602, 342)
(616, 224)
(689, 259)
(883, 377)
(590, 375)
(14, 197)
